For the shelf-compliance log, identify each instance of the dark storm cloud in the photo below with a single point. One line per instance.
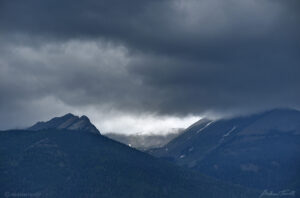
(171, 57)
(74, 18)
(188, 27)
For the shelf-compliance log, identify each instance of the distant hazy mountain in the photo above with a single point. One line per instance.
(260, 151)
(144, 141)
(69, 122)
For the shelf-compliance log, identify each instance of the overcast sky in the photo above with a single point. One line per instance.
(146, 65)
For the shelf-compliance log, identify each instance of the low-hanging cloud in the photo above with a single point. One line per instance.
(160, 58)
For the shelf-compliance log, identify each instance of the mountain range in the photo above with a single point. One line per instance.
(245, 156)
(68, 157)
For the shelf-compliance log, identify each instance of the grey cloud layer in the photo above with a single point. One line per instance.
(169, 57)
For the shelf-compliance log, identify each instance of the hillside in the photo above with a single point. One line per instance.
(67, 163)
(258, 151)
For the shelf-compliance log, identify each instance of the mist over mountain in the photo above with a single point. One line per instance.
(259, 151)
(145, 141)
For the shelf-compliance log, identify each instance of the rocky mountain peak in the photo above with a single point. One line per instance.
(69, 122)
